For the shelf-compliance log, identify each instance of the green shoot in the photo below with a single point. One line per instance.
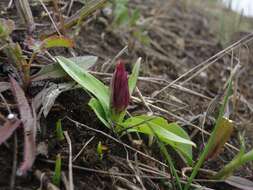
(211, 140)
(167, 158)
(59, 131)
(240, 159)
(57, 171)
(100, 150)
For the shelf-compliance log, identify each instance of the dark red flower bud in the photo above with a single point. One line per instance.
(119, 88)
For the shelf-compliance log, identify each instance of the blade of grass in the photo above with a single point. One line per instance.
(212, 137)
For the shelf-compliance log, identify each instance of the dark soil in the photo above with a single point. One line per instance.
(181, 38)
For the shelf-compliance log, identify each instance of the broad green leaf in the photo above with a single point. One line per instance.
(87, 81)
(53, 71)
(99, 111)
(170, 134)
(57, 41)
(134, 76)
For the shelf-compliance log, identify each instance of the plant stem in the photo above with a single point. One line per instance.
(167, 157)
(234, 164)
(211, 139)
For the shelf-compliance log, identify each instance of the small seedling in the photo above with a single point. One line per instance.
(100, 150)
(59, 131)
(110, 105)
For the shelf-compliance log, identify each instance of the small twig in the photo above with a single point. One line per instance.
(9, 4)
(71, 184)
(106, 66)
(49, 15)
(143, 100)
(44, 181)
(65, 180)
(205, 64)
(78, 154)
(70, 7)
(159, 175)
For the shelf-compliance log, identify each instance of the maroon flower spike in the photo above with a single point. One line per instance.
(119, 88)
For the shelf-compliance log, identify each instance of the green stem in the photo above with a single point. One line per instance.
(234, 164)
(167, 157)
(211, 139)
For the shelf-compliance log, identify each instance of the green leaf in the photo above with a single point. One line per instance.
(56, 41)
(170, 134)
(54, 71)
(134, 17)
(87, 81)
(121, 16)
(57, 171)
(134, 76)
(99, 111)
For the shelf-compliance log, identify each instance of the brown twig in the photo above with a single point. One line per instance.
(45, 181)
(71, 184)
(84, 146)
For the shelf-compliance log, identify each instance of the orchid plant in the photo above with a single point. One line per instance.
(110, 105)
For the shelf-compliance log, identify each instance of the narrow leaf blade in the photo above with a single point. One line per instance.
(8, 128)
(240, 183)
(134, 76)
(87, 81)
(57, 41)
(29, 124)
(98, 109)
(54, 71)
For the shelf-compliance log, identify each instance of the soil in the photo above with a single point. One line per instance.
(181, 37)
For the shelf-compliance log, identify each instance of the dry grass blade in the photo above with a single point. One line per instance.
(7, 130)
(71, 184)
(158, 176)
(25, 12)
(29, 125)
(4, 86)
(208, 62)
